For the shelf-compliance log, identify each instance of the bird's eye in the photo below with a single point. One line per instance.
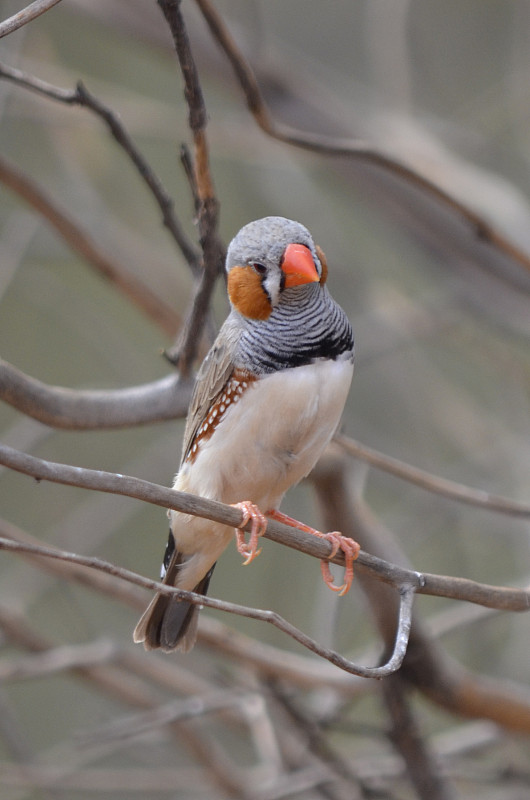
(261, 269)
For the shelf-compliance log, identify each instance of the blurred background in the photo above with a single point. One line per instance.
(441, 319)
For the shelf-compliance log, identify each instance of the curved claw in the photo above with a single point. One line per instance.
(349, 547)
(251, 513)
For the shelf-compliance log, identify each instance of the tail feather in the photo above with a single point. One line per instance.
(168, 623)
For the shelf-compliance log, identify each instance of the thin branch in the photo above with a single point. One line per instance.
(187, 165)
(269, 661)
(63, 571)
(183, 720)
(76, 409)
(117, 682)
(44, 88)
(109, 678)
(349, 148)
(423, 583)
(82, 97)
(165, 202)
(309, 732)
(433, 483)
(316, 777)
(206, 200)
(275, 663)
(57, 659)
(445, 683)
(177, 711)
(271, 617)
(161, 671)
(134, 781)
(426, 666)
(13, 738)
(424, 771)
(27, 14)
(134, 289)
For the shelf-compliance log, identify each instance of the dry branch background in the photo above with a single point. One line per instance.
(424, 218)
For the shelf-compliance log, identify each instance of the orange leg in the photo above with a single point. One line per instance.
(251, 513)
(349, 547)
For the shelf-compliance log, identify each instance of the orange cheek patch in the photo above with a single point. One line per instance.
(324, 263)
(247, 294)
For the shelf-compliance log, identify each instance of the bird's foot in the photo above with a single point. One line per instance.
(349, 547)
(251, 513)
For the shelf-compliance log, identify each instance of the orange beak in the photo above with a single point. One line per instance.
(298, 266)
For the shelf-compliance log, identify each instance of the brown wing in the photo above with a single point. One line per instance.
(212, 377)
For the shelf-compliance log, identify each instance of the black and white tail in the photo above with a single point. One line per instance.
(169, 623)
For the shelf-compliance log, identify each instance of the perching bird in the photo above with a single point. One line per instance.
(266, 402)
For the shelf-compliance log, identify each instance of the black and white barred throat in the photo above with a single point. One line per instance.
(311, 327)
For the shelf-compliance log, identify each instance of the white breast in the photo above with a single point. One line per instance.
(274, 435)
(265, 444)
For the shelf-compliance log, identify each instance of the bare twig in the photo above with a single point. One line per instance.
(308, 732)
(197, 116)
(394, 662)
(433, 483)
(269, 661)
(109, 678)
(44, 88)
(187, 165)
(275, 663)
(426, 665)
(422, 767)
(82, 97)
(349, 148)
(177, 711)
(76, 409)
(206, 200)
(463, 694)
(134, 781)
(316, 778)
(117, 682)
(98, 581)
(57, 659)
(165, 202)
(27, 14)
(423, 583)
(137, 291)
(13, 738)
(467, 694)
(184, 719)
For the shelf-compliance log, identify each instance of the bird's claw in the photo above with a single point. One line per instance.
(251, 513)
(351, 549)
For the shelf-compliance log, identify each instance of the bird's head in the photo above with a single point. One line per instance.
(266, 260)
